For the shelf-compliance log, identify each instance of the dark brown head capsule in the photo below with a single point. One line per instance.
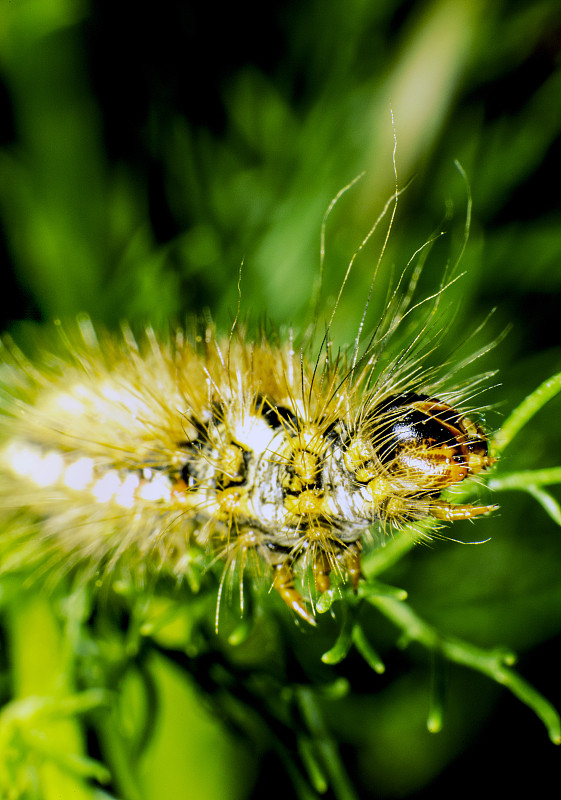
(421, 437)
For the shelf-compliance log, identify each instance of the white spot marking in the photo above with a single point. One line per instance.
(79, 474)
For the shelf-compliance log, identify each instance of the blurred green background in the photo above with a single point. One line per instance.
(147, 151)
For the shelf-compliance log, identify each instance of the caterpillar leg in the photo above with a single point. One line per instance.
(321, 570)
(353, 564)
(283, 582)
(351, 560)
(451, 511)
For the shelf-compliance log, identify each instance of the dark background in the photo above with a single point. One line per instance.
(148, 150)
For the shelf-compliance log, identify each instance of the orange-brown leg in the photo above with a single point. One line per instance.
(352, 564)
(322, 568)
(451, 511)
(283, 582)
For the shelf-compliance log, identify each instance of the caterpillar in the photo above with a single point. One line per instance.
(119, 449)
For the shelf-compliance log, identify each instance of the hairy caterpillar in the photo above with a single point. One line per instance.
(117, 449)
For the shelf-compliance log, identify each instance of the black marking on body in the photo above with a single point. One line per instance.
(275, 415)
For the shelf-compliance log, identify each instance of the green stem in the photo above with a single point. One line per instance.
(367, 651)
(42, 670)
(525, 411)
(435, 716)
(531, 482)
(393, 549)
(118, 758)
(493, 663)
(325, 746)
(547, 502)
(522, 480)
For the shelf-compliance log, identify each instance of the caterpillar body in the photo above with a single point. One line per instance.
(124, 450)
